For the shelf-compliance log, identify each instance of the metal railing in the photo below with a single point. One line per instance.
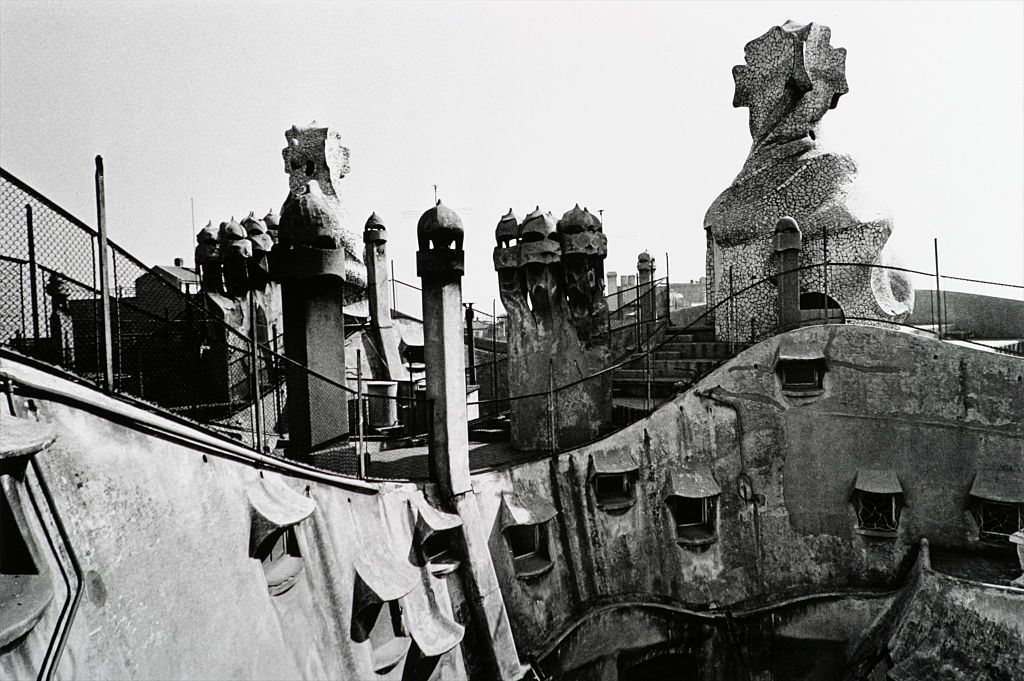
(174, 351)
(170, 347)
(673, 359)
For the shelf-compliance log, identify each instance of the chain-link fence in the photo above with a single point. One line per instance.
(175, 349)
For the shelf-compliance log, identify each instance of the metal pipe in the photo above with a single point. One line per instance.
(101, 224)
(21, 298)
(668, 292)
(394, 292)
(494, 349)
(33, 286)
(732, 314)
(824, 264)
(938, 287)
(360, 443)
(471, 345)
(551, 404)
(647, 374)
(257, 397)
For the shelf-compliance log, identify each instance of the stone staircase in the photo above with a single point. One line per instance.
(681, 358)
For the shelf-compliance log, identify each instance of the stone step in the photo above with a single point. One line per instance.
(669, 367)
(663, 377)
(697, 333)
(489, 434)
(639, 388)
(695, 351)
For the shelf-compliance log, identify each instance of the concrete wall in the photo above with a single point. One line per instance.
(162, 531)
(930, 411)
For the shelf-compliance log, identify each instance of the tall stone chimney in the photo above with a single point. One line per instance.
(312, 273)
(440, 264)
(383, 334)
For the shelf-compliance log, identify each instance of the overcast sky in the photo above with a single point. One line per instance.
(620, 107)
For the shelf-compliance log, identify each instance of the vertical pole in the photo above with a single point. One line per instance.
(116, 327)
(394, 292)
(257, 397)
(360, 443)
(551, 403)
(938, 287)
(191, 235)
(33, 286)
(824, 265)
(647, 375)
(471, 345)
(732, 314)
(668, 292)
(931, 300)
(494, 350)
(21, 297)
(101, 223)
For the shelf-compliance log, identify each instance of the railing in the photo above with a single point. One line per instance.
(645, 380)
(172, 350)
(175, 352)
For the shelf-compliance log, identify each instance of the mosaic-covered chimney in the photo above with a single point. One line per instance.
(791, 78)
(551, 282)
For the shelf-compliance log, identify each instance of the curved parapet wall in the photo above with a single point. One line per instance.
(780, 467)
(176, 539)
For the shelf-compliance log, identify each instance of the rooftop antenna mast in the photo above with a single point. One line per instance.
(435, 194)
(192, 200)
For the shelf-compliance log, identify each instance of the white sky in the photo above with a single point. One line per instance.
(621, 107)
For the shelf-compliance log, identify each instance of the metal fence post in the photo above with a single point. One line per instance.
(101, 224)
(360, 443)
(257, 396)
(494, 350)
(938, 288)
(647, 374)
(470, 346)
(824, 265)
(668, 292)
(551, 404)
(33, 285)
(732, 314)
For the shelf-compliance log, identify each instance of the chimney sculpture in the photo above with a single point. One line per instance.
(551, 281)
(383, 335)
(316, 262)
(791, 78)
(440, 264)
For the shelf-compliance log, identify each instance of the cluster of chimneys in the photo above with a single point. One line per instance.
(233, 258)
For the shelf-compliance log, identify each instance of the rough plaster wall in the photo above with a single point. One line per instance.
(619, 636)
(25, 657)
(952, 411)
(170, 589)
(954, 629)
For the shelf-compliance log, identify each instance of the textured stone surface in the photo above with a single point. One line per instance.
(162, 532)
(316, 154)
(930, 411)
(791, 78)
(551, 281)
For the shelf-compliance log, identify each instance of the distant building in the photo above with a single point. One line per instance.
(694, 293)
